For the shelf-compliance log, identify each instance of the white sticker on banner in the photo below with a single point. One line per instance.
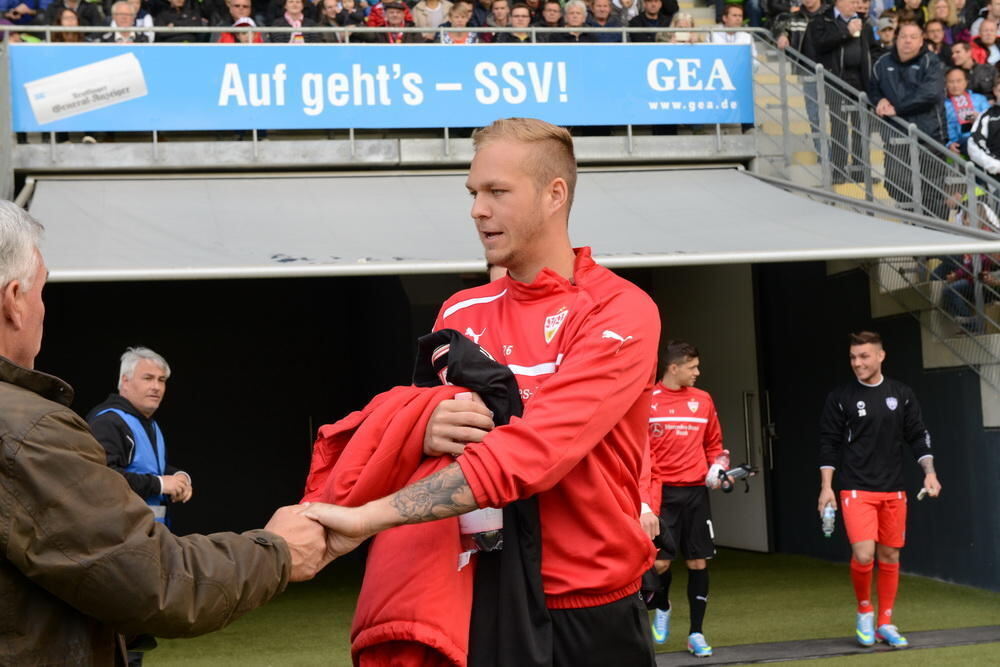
(86, 88)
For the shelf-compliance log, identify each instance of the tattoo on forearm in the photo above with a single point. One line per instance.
(443, 494)
(927, 463)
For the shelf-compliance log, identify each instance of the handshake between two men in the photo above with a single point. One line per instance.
(318, 533)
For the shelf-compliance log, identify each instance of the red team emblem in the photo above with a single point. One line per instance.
(553, 322)
(693, 406)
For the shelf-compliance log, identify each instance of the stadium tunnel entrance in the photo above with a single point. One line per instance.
(330, 278)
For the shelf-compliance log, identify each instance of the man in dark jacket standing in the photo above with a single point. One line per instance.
(82, 562)
(908, 83)
(838, 40)
(135, 446)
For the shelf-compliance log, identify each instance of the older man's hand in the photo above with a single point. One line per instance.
(306, 539)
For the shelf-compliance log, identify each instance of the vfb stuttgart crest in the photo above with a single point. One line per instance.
(891, 402)
(693, 406)
(553, 322)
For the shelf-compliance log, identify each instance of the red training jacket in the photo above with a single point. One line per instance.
(684, 436)
(584, 355)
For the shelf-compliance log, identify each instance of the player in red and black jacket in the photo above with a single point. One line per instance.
(581, 342)
(863, 430)
(685, 443)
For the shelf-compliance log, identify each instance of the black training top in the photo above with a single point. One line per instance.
(862, 432)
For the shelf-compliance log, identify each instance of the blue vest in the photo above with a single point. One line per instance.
(145, 459)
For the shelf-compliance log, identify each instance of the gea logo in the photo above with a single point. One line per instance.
(687, 74)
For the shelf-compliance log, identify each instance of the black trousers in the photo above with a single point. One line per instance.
(612, 634)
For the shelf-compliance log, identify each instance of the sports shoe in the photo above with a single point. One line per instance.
(865, 629)
(698, 646)
(661, 626)
(890, 635)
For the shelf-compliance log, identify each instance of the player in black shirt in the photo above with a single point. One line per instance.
(864, 427)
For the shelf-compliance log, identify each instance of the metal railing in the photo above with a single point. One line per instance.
(955, 299)
(835, 141)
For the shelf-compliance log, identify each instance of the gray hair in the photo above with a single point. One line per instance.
(20, 235)
(132, 357)
(579, 4)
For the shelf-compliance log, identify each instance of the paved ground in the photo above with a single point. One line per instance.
(827, 648)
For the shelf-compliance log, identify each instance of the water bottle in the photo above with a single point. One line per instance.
(829, 519)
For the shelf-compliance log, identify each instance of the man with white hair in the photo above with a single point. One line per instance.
(82, 562)
(135, 447)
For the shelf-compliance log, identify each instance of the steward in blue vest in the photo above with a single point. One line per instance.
(135, 448)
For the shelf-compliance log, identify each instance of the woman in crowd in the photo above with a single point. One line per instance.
(67, 18)
(961, 108)
(293, 18)
(944, 11)
(934, 33)
(681, 20)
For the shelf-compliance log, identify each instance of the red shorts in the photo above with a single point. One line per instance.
(875, 515)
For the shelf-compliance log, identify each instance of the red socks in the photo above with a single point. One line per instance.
(888, 584)
(861, 575)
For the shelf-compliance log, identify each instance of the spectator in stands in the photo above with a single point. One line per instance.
(249, 37)
(87, 13)
(235, 10)
(934, 31)
(293, 18)
(908, 83)
(652, 16)
(886, 38)
(878, 7)
(395, 17)
(499, 17)
(841, 44)
(20, 12)
(984, 47)
(981, 77)
(339, 13)
(913, 10)
(480, 13)
(944, 11)
(181, 13)
(984, 141)
(601, 17)
(520, 17)
(959, 297)
(576, 17)
(869, 22)
(732, 17)
(752, 10)
(683, 20)
(961, 108)
(625, 10)
(143, 18)
(458, 17)
(789, 24)
(123, 16)
(966, 11)
(991, 10)
(551, 17)
(69, 19)
(430, 14)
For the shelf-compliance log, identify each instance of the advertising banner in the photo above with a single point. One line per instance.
(107, 87)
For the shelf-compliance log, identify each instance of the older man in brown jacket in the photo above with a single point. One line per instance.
(82, 562)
